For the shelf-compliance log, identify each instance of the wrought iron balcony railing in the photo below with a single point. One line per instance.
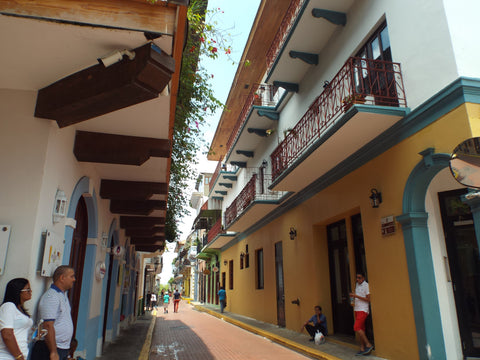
(359, 81)
(215, 230)
(283, 31)
(259, 95)
(255, 190)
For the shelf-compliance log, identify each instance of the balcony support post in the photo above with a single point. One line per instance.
(246, 153)
(309, 58)
(291, 87)
(230, 177)
(335, 17)
(240, 164)
(272, 115)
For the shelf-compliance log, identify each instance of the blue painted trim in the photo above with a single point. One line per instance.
(447, 99)
(82, 187)
(83, 326)
(421, 272)
(111, 236)
(292, 30)
(92, 338)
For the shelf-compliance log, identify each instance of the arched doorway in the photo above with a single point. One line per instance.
(77, 256)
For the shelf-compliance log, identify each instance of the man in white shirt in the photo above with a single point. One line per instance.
(362, 309)
(54, 309)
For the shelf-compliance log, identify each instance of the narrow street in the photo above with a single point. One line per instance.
(194, 335)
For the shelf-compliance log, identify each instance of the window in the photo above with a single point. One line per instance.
(230, 274)
(224, 280)
(242, 255)
(260, 277)
(247, 257)
(378, 46)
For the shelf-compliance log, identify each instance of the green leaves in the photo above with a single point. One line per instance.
(195, 101)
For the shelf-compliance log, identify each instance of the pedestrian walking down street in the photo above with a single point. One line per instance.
(153, 302)
(166, 300)
(176, 300)
(222, 297)
(54, 309)
(15, 322)
(361, 297)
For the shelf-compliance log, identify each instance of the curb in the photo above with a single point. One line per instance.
(148, 339)
(273, 337)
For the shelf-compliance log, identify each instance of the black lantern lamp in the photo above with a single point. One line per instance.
(375, 198)
(292, 233)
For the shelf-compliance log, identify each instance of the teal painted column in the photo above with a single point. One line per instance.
(426, 308)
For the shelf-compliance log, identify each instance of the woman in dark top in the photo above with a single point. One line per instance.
(176, 300)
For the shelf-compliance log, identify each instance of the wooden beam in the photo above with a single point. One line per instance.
(140, 221)
(118, 149)
(145, 232)
(147, 240)
(136, 207)
(149, 248)
(99, 90)
(118, 14)
(131, 190)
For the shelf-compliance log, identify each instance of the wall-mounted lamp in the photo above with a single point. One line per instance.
(225, 262)
(296, 301)
(242, 255)
(60, 208)
(115, 57)
(375, 198)
(292, 233)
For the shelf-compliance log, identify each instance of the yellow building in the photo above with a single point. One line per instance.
(338, 163)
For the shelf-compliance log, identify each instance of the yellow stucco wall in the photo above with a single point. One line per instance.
(306, 267)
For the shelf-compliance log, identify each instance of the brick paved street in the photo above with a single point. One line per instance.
(194, 335)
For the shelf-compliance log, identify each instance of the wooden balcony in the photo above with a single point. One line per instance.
(365, 98)
(253, 203)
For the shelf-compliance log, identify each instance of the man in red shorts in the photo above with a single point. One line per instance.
(362, 302)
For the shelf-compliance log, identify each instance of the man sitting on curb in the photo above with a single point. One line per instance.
(317, 322)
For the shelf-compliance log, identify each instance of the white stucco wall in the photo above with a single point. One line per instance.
(464, 27)
(37, 159)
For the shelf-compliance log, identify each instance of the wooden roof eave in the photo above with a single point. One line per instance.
(157, 18)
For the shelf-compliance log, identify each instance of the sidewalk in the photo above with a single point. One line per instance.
(129, 344)
(333, 349)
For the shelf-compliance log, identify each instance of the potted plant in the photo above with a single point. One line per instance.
(349, 100)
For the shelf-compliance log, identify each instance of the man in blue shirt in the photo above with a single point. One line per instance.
(222, 296)
(317, 322)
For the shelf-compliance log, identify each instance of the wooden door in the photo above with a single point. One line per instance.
(280, 284)
(464, 260)
(77, 257)
(342, 311)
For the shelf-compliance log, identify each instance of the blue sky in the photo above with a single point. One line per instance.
(236, 19)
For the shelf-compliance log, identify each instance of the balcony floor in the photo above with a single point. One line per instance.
(254, 212)
(218, 242)
(356, 128)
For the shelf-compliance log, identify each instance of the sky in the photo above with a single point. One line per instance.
(235, 18)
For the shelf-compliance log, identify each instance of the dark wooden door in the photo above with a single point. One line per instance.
(464, 260)
(77, 257)
(340, 278)
(107, 297)
(280, 284)
(361, 264)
